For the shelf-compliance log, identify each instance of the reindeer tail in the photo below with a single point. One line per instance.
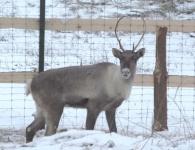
(28, 87)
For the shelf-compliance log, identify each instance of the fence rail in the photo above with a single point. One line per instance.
(140, 79)
(97, 24)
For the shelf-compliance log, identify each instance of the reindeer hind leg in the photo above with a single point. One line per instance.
(52, 117)
(37, 124)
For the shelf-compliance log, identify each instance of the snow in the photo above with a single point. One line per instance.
(134, 121)
(97, 140)
(19, 52)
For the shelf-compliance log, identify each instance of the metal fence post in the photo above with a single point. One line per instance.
(41, 35)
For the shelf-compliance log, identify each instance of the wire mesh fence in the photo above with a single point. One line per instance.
(19, 52)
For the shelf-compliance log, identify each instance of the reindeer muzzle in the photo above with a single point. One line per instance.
(126, 74)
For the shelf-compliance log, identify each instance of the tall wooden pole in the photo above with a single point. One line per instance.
(160, 82)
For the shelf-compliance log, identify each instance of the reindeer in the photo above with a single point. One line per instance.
(99, 87)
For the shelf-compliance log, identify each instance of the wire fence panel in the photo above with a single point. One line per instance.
(180, 57)
(19, 52)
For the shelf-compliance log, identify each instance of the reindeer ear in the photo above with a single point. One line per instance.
(140, 53)
(116, 52)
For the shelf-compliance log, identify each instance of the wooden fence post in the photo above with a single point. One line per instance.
(160, 82)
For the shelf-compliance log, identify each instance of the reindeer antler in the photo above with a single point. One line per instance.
(144, 24)
(119, 41)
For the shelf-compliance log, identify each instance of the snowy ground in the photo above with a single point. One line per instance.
(134, 121)
(99, 140)
(19, 52)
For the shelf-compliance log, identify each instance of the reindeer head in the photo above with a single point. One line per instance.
(128, 58)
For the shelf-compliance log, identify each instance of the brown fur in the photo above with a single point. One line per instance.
(97, 88)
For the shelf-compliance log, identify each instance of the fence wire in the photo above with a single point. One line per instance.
(19, 52)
